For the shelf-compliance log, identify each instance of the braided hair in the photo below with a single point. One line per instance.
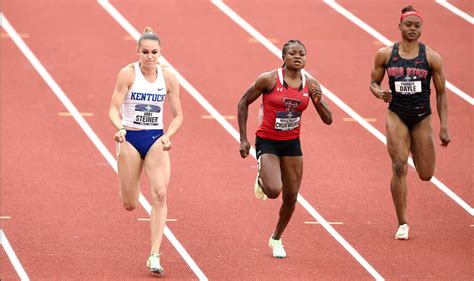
(287, 45)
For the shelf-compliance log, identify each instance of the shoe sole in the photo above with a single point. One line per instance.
(401, 238)
(156, 271)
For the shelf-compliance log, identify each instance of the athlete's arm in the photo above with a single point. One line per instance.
(172, 86)
(264, 83)
(377, 74)
(439, 82)
(124, 79)
(318, 101)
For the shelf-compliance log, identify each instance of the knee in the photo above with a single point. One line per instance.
(425, 176)
(159, 197)
(130, 206)
(272, 190)
(399, 169)
(290, 198)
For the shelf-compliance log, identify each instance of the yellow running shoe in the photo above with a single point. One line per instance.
(153, 263)
(258, 189)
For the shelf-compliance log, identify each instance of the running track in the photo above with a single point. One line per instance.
(60, 195)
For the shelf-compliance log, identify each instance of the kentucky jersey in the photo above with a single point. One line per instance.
(409, 81)
(282, 109)
(143, 105)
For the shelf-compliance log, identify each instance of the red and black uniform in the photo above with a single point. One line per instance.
(409, 81)
(281, 121)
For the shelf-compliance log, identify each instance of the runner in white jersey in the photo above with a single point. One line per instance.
(139, 94)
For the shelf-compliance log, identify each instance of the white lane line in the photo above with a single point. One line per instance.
(12, 256)
(456, 10)
(374, 33)
(204, 103)
(90, 133)
(347, 109)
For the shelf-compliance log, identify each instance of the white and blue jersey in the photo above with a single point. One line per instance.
(143, 105)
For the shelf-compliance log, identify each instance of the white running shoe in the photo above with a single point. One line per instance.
(277, 248)
(258, 190)
(402, 232)
(153, 263)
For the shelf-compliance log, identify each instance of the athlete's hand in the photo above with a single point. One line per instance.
(386, 95)
(120, 135)
(316, 93)
(165, 142)
(444, 137)
(244, 148)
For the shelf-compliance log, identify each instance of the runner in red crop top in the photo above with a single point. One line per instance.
(282, 110)
(286, 94)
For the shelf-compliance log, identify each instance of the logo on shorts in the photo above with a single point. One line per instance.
(154, 137)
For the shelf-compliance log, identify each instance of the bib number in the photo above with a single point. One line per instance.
(147, 114)
(408, 87)
(287, 121)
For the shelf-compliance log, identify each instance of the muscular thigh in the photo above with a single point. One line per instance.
(269, 169)
(422, 146)
(292, 173)
(398, 138)
(157, 166)
(129, 165)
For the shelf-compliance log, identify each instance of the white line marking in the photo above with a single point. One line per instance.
(343, 11)
(456, 10)
(91, 134)
(12, 256)
(347, 109)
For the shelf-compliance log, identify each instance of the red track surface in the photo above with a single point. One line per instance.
(66, 218)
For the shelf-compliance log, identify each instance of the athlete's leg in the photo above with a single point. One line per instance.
(270, 175)
(157, 169)
(129, 165)
(423, 149)
(398, 145)
(292, 172)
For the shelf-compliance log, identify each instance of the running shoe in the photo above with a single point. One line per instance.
(258, 189)
(153, 263)
(277, 248)
(402, 232)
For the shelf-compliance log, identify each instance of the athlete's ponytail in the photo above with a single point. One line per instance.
(148, 34)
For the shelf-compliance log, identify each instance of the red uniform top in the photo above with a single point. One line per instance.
(282, 109)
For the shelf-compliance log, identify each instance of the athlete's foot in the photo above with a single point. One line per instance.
(153, 263)
(277, 248)
(258, 189)
(402, 232)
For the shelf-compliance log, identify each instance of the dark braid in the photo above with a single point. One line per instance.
(148, 34)
(408, 8)
(287, 45)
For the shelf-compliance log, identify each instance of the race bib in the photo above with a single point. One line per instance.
(408, 87)
(286, 121)
(146, 114)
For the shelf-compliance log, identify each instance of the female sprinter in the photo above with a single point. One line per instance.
(410, 65)
(136, 112)
(286, 94)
